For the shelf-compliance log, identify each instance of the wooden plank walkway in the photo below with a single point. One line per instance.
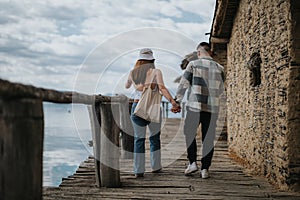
(228, 180)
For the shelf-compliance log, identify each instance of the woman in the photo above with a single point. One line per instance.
(140, 77)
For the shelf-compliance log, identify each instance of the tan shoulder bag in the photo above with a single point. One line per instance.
(148, 106)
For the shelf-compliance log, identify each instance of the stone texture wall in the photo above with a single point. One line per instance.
(261, 124)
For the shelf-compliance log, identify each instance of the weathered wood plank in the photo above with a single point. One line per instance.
(95, 119)
(21, 149)
(109, 145)
(126, 131)
(10, 90)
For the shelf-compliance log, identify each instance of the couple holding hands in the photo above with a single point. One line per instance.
(203, 78)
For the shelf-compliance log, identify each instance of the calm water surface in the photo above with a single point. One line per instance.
(67, 132)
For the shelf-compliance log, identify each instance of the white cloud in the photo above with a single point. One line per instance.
(194, 30)
(45, 42)
(170, 10)
(204, 8)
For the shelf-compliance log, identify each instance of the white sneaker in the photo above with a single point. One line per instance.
(191, 168)
(204, 173)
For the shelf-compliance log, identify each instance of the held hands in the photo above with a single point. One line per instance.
(176, 108)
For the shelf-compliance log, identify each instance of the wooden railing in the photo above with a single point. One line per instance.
(22, 134)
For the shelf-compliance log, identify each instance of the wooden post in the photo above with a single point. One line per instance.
(21, 148)
(95, 118)
(127, 131)
(109, 145)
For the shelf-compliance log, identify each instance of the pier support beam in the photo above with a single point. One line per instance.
(109, 145)
(21, 148)
(105, 121)
(127, 131)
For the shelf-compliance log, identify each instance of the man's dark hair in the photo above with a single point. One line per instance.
(205, 46)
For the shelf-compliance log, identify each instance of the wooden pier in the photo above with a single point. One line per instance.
(228, 180)
(21, 147)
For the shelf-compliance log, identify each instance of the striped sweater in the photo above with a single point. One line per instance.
(205, 80)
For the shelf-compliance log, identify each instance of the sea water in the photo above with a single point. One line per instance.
(66, 136)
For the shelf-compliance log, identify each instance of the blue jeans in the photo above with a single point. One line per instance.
(139, 127)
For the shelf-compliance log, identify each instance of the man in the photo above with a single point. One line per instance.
(204, 79)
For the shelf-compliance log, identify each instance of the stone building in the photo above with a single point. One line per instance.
(258, 42)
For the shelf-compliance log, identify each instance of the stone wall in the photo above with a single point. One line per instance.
(259, 73)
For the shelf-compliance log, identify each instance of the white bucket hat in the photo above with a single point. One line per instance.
(146, 54)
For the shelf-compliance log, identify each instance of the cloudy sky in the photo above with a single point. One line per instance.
(90, 46)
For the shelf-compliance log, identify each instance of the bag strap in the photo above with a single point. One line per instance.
(153, 75)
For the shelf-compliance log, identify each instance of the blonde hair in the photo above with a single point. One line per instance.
(140, 70)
